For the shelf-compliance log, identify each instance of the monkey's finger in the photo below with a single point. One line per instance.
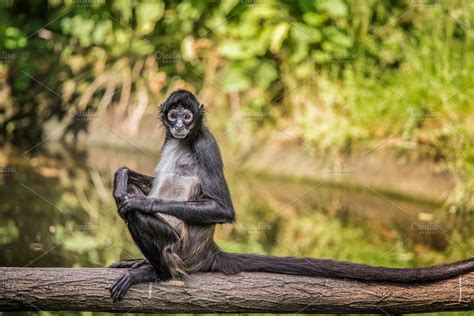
(115, 292)
(116, 297)
(118, 282)
(114, 285)
(138, 263)
(114, 289)
(125, 263)
(122, 290)
(121, 282)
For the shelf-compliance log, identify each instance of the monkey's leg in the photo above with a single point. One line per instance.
(122, 190)
(129, 263)
(120, 187)
(144, 273)
(123, 177)
(158, 242)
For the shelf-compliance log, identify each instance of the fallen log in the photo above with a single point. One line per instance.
(63, 289)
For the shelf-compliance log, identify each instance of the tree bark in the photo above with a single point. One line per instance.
(62, 289)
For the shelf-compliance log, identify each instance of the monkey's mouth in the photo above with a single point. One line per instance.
(179, 135)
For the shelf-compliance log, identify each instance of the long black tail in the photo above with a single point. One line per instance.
(340, 269)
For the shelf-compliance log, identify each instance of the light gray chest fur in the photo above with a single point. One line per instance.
(175, 174)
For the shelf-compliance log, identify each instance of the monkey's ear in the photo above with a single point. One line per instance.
(201, 106)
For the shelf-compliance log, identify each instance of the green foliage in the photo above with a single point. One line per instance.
(8, 232)
(362, 68)
(12, 38)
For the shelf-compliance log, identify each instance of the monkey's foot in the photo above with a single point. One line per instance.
(120, 287)
(132, 263)
(142, 274)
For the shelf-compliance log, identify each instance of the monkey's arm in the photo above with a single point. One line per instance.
(205, 211)
(201, 212)
(122, 178)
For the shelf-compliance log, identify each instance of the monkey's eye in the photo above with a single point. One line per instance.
(188, 117)
(172, 116)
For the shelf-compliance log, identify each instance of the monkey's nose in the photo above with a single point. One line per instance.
(179, 128)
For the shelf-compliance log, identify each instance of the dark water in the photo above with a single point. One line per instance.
(56, 210)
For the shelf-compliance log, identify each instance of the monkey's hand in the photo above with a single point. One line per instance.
(131, 204)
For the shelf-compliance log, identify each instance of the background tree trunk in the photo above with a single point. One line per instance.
(62, 289)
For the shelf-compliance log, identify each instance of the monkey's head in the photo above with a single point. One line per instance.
(181, 114)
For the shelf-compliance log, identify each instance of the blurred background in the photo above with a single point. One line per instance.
(346, 126)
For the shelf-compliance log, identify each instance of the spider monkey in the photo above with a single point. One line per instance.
(171, 217)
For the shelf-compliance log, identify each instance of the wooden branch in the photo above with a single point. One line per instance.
(61, 289)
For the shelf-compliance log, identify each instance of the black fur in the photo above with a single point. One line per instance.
(167, 256)
(341, 269)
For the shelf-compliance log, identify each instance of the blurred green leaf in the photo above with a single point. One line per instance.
(234, 50)
(315, 19)
(265, 75)
(235, 80)
(279, 35)
(303, 33)
(124, 7)
(148, 13)
(8, 232)
(335, 8)
(80, 243)
(100, 32)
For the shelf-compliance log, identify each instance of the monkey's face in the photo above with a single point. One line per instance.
(179, 121)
